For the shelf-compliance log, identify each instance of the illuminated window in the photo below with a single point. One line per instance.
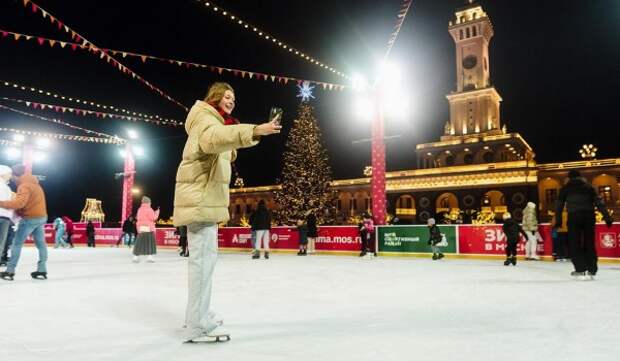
(551, 195)
(605, 193)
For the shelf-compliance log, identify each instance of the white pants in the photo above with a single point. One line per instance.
(311, 241)
(262, 236)
(531, 245)
(202, 243)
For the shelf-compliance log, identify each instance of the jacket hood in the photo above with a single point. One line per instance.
(27, 179)
(203, 106)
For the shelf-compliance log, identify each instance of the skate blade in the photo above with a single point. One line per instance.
(209, 339)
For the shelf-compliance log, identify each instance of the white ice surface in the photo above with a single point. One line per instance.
(97, 305)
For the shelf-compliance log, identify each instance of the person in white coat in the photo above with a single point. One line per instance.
(530, 226)
(6, 215)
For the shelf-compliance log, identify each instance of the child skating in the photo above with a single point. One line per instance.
(512, 229)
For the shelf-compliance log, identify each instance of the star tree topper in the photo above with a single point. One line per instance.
(305, 91)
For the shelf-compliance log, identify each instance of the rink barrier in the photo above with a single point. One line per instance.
(464, 241)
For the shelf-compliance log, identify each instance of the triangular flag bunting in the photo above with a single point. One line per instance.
(41, 40)
(143, 57)
(52, 43)
(251, 75)
(63, 44)
(220, 70)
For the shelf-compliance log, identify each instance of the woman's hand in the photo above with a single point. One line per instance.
(272, 127)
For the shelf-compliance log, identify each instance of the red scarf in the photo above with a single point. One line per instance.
(228, 119)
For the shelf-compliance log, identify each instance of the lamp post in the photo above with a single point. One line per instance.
(129, 172)
(30, 150)
(386, 95)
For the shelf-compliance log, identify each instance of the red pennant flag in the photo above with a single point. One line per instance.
(57, 108)
(40, 40)
(59, 24)
(73, 46)
(34, 8)
(5, 34)
(236, 72)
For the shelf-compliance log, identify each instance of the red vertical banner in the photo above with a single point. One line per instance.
(377, 183)
(129, 172)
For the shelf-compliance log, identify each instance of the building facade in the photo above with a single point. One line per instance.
(476, 168)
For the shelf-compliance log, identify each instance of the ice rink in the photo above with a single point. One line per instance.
(97, 305)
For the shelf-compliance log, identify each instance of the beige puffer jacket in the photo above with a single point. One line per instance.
(201, 191)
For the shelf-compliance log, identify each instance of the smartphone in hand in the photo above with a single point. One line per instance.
(276, 113)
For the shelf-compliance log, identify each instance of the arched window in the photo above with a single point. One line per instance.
(462, 19)
(468, 158)
(467, 33)
(475, 16)
(461, 34)
(474, 30)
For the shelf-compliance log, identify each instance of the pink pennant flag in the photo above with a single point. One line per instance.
(236, 72)
(5, 34)
(40, 40)
(34, 8)
(57, 109)
(35, 105)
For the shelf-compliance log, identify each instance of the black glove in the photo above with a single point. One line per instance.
(533, 233)
(429, 242)
(609, 222)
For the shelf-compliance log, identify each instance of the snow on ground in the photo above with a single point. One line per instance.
(97, 305)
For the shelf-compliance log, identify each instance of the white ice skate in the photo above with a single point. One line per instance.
(135, 259)
(219, 334)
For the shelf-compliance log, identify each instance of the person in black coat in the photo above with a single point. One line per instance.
(182, 232)
(313, 232)
(580, 198)
(90, 234)
(127, 232)
(512, 229)
(434, 238)
(261, 223)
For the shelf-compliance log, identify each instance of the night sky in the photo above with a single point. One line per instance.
(555, 64)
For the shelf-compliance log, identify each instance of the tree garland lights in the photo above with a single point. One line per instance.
(263, 34)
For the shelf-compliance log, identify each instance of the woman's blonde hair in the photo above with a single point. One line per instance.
(216, 92)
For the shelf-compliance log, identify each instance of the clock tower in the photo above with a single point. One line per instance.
(474, 106)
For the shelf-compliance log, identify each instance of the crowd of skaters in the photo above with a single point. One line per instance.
(214, 137)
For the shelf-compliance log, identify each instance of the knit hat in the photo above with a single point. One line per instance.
(146, 199)
(507, 216)
(431, 221)
(573, 173)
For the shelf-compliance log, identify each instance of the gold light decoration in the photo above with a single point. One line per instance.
(92, 211)
(599, 216)
(239, 182)
(368, 171)
(588, 151)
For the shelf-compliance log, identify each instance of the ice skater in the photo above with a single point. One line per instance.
(512, 229)
(313, 232)
(30, 205)
(435, 237)
(145, 244)
(59, 237)
(261, 223)
(302, 229)
(580, 198)
(90, 234)
(530, 226)
(6, 215)
(367, 228)
(201, 197)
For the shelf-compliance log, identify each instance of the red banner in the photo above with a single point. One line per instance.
(488, 240)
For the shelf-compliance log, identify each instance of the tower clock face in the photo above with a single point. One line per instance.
(470, 61)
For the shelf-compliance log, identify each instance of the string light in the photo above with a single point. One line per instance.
(79, 111)
(58, 121)
(267, 36)
(79, 138)
(144, 57)
(155, 117)
(399, 23)
(109, 59)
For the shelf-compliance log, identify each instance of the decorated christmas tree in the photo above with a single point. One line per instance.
(306, 173)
